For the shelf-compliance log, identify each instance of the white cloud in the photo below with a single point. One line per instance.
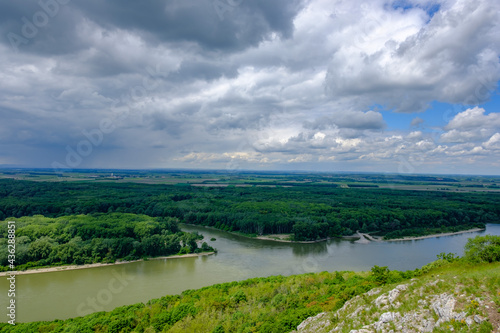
(471, 125)
(405, 62)
(493, 143)
(474, 118)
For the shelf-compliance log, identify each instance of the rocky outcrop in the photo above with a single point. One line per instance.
(405, 308)
(316, 323)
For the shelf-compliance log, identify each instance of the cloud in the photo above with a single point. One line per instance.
(308, 83)
(369, 120)
(157, 22)
(404, 60)
(416, 122)
(471, 125)
(493, 143)
(474, 118)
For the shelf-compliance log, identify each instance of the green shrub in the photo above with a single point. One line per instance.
(218, 329)
(380, 274)
(450, 257)
(483, 249)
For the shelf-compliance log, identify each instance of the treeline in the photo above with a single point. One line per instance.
(308, 212)
(86, 239)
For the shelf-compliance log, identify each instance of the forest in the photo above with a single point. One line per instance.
(95, 238)
(309, 212)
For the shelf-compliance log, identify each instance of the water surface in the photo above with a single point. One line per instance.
(61, 295)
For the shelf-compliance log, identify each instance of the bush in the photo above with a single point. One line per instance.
(450, 257)
(380, 274)
(218, 329)
(483, 249)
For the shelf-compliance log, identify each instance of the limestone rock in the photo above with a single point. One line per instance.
(388, 317)
(478, 319)
(314, 324)
(376, 314)
(443, 306)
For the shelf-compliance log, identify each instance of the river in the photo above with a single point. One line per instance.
(61, 295)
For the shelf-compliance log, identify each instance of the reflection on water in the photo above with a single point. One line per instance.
(310, 249)
(58, 295)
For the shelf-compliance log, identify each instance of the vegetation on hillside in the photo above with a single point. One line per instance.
(450, 295)
(308, 212)
(86, 239)
(280, 304)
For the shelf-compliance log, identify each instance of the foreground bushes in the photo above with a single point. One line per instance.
(483, 249)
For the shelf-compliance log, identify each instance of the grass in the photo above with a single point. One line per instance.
(476, 288)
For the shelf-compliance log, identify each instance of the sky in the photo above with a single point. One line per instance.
(406, 86)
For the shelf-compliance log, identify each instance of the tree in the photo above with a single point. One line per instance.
(483, 249)
(380, 274)
(153, 245)
(41, 248)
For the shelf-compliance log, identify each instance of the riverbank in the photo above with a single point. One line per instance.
(358, 237)
(282, 238)
(362, 238)
(74, 267)
(272, 237)
(434, 235)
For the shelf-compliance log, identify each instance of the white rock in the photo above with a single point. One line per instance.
(372, 292)
(435, 282)
(443, 306)
(402, 287)
(459, 316)
(478, 319)
(387, 317)
(313, 324)
(393, 294)
(381, 300)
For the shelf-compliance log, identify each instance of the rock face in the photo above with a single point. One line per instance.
(315, 323)
(401, 309)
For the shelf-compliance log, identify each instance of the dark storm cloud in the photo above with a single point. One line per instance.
(237, 26)
(22, 128)
(162, 122)
(40, 27)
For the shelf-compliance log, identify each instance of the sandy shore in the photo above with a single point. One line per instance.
(435, 235)
(276, 237)
(357, 237)
(362, 238)
(73, 267)
(273, 237)
(280, 238)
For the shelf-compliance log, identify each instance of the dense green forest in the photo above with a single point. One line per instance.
(280, 304)
(308, 212)
(85, 239)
